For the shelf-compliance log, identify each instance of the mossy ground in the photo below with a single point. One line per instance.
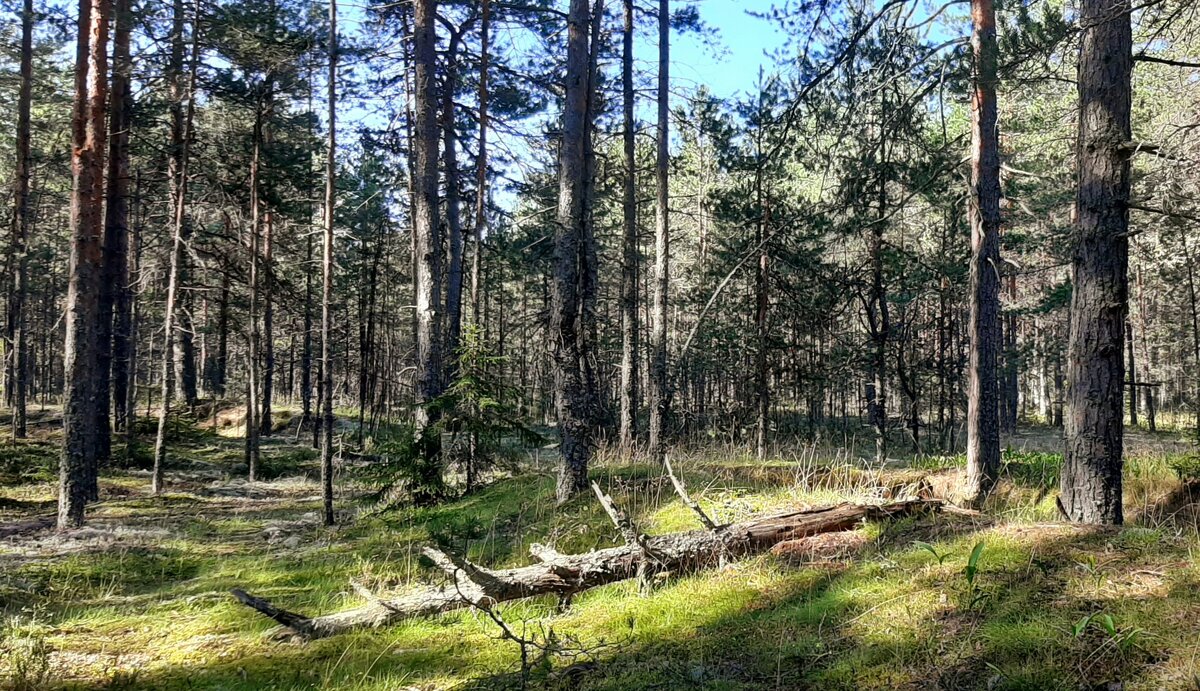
(139, 598)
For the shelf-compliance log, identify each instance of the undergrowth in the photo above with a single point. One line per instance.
(139, 598)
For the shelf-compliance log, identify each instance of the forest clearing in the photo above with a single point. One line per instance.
(600, 344)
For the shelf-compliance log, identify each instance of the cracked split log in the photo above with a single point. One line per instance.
(566, 574)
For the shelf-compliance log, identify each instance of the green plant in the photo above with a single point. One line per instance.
(1122, 638)
(1187, 467)
(975, 594)
(407, 465)
(28, 659)
(940, 556)
(477, 412)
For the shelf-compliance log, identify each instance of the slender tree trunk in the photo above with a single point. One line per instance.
(21, 221)
(182, 351)
(1131, 368)
(983, 420)
(762, 392)
(252, 334)
(77, 471)
(481, 162)
(116, 223)
(1147, 355)
(306, 354)
(125, 331)
(571, 400)
(629, 247)
(117, 238)
(660, 400)
(179, 212)
(265, 422)
(589, 255)
(1091, 476)
(427, 233)
(327, 276)
(1194, 309)
(222, 357)
(454, 273)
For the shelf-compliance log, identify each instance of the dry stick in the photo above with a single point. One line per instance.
(718, 531)
(633, 537)
(687, 500)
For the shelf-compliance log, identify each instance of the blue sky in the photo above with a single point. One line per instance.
(743, 42)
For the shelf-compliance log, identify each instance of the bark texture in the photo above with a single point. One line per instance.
(571, 396)
(18, 367)
(660, 403)
(629, 246)
(77, 471)
(1091, 476)
(426, 232)
(983, 415)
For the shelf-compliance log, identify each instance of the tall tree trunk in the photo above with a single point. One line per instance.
(116, 223)
(115, 308)
(1131, 368)
(221, 368)
(327, 276)
(252, 334)
(1194, 308)
(426, 230)
(182, 351)
(589, 251)
(265, 422)
(762, 392)
(22, 218)
(454, 269)
(983, 419)
(1147, 355)
(629, 246)
(125, 331)
(1091, 477)
(179, 213)
(77, 471)
(306, 350)
(660, 400)
(572, 401)
(481, 162)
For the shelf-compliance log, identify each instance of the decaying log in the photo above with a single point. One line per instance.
(566, 574)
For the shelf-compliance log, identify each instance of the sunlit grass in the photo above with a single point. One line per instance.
(141, 601)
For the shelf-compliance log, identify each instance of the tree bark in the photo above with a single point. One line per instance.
(629, 246)
(427, 233)
(182, 352)
(660, 398)
(1091, 477)
(118, 295)
(327, 276)
(481, 161)
(252, 334)
(77, 471)
(589, 256)
(454, 269)
(265, 423)
(116, 224)
(983, 419)
(21, 221)
(571, 399)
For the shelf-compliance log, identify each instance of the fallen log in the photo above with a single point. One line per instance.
(566, 574)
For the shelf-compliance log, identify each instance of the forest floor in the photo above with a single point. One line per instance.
(140, 597)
